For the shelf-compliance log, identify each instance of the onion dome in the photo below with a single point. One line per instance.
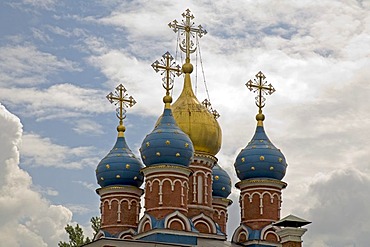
(120, 167)
(221, 186)
(260, 159)
(195, 119)
(191, 116)
(167, 144)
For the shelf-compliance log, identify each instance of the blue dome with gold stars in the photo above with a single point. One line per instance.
(120, 167)
(167, 144)
(260, 159)
(221, 186)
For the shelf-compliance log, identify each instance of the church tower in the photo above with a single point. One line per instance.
(260, 166)
(118, 174)
(200, 124)
(167, 152)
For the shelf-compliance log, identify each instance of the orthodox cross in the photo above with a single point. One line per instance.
(207, 104)
(121, 97)
(170, 69)
(187, 28)
(259, 85)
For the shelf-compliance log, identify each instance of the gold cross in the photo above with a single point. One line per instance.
(187, 27)
(170, 69)
(120, 96)
(259, 85)
(207, 104)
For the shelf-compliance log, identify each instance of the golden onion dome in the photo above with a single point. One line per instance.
(195, 119)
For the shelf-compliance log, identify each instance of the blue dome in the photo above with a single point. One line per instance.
(167, 144)
(120, 167)
(260, 159)
(221, 186)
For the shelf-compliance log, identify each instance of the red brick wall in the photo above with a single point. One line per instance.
(206, 174)
(112, 221)
(174, 195)
(251, 214)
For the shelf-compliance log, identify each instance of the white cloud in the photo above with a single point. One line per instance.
(40, 35)
(57, 101)
(26, 65)
(43, 4)
(26, 218)
(88, 126)
(47, 191)
(37, 151)
(79, 208)
(87, 185)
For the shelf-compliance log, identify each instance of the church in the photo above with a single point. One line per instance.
(178, 180)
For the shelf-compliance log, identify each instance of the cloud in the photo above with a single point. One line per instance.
(37, 152)
(88, 126)
(58, 101)
(80, 209)
(87, 185)
(136, 75)
(26, 218)
(27, 66)
(40, 35)
(338, 204)
(40, 4)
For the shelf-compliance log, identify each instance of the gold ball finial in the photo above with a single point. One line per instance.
(167, 99)
(121, 128)
(187, 68)
(260, 117)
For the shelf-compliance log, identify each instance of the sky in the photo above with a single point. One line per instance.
(59, 59)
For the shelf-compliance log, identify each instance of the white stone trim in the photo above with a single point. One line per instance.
(291, 234)
(169, 218)
(122, 234)
(118, 225)
(269, 229)
(176, 220)
(241, 230)
(143, 221)
(165, 208)
(99, 235)
(119, 190)
(206, 220)
(248, 183)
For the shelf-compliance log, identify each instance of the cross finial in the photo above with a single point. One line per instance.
(121, 97)
(170, 70)
(207, 104)
(260, 86)
(188, 29)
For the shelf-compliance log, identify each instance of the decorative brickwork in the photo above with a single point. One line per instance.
(120, 208)
(200, 189)
(166, 190)
(220, 214)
